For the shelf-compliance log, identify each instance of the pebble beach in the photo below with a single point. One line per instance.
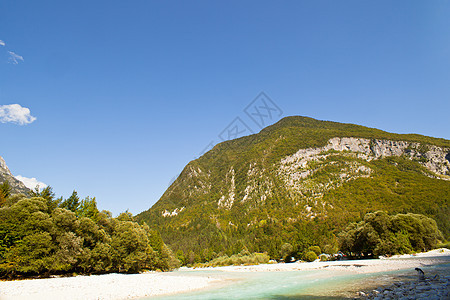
(433, 288)
(109, 286)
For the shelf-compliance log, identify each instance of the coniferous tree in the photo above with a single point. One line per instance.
(72, 203)
(47, 194)
(88, 208)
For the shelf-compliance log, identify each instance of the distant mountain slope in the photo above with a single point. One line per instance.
(17, 186)
(300, 181)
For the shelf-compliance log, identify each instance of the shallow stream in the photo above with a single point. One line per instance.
(311, 284)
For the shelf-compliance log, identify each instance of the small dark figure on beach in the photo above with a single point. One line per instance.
(420, 273)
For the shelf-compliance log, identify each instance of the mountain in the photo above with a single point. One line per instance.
(17, 186)
(300, 181)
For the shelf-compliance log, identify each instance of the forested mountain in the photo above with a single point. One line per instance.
(300, 181)
(17, 186)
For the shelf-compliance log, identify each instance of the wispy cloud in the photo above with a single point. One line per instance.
(14, 58)
(14, 113)
(31, 183)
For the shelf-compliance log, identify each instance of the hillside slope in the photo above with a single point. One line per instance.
(17, 186)
(300, 181)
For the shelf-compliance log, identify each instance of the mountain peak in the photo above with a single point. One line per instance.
(17, 186)
(4, 167)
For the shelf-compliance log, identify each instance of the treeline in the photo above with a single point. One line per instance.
(378, 233)
(382, 234)
(42, 235)
(280, 239)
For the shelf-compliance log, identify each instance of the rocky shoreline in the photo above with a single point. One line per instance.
(435, 287)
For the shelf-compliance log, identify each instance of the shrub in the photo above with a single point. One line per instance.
(237, 260)
(286, 252)
(310, 256)
(315, 249)
(443, 245)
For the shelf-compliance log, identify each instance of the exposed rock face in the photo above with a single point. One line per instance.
(226, 201)
(173, 213)
(345, 159)
(434, 158)
(3, 165)
(342, 159)
(298, 169)
(17, 186)
(259, 186)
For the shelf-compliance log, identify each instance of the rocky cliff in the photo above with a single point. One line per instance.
(436, 159)
(17, 186)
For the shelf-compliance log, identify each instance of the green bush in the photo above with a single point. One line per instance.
(286, 252)
(443, 245)
(310, 256)
(315, 249)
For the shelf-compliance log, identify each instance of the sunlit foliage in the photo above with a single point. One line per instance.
(382, 234)
(42, 236)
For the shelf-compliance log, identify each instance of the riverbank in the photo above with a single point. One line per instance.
(109, 286)
(123, 286)
(394, 263)
(432, 284)
(435, 287)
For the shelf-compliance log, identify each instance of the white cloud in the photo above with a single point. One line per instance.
(14, 113)
(2, 43)
(31, 183)
(14, 58)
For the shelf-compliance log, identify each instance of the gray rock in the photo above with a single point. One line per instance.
(17, 186)
(423, 288)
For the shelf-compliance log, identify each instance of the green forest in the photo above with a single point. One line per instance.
(41, 235)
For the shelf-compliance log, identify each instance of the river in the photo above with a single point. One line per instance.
(305, 284)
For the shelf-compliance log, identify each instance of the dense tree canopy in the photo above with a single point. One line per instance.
(43, 235)
(382, 234)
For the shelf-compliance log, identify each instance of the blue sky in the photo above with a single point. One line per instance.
(126, 93)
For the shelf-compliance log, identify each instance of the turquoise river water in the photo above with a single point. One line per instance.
(316, 284)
